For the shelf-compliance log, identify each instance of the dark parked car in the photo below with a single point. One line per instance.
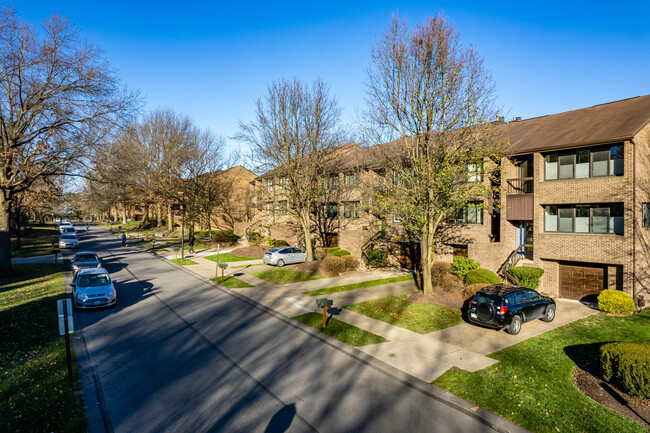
(84, 259)
(508, 307)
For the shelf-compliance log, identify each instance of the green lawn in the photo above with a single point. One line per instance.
(420, 318)
(36, 242)
(184, 262)
(340, 330)
(358, 285)
(231, 282)
(245, 266)
(284, 276)
(227, 258)
(34, 395)
(531, 385)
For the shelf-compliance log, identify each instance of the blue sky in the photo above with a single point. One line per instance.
(212, 59)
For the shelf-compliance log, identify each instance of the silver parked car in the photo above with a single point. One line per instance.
(66, 229)
(68, 240)
(84, 259)
(93, 288)
(284, 256)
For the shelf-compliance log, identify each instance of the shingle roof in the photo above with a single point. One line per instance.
(610, 122)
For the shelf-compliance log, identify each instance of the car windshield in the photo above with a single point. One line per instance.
(86, 258)
(68, 229)
(69, 237)
(93, 280)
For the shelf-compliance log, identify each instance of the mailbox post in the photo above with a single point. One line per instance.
(176, 251)
(325, 304)
(223, 267)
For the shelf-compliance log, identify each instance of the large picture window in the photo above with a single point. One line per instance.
(331, 182)
(470, 214)
(582, 163)
(351, 209)
(595, 218)
(331, 210)
(351, 180)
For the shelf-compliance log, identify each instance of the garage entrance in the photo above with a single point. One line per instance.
(582, 281)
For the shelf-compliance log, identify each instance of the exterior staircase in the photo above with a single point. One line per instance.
(523, 252)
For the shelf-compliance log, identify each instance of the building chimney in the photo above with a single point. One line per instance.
(516, 119)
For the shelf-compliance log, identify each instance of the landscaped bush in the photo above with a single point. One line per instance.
(452, 283)
(473, 288)
(332, 250)
(481, 275)
(340, 253)
(376, 256)
(351, 263)
(320, 253)
(334, 265)
(627, 364)
(279, 243)
(462, 265)
(254, 238)
(439, 270)
(527, 276)
(615, 301)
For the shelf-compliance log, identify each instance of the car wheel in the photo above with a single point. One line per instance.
(515, 326)
(550, 314)
(280, 263)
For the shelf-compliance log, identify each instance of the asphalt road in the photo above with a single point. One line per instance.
(179, 354)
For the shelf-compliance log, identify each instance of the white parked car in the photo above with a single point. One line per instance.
(284, 256)
(93, 288)
(68, 240)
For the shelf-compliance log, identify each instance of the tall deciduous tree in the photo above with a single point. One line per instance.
(434, 96)
(295, 126)
(57, 99)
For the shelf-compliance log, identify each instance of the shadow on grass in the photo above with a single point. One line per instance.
(586, 356)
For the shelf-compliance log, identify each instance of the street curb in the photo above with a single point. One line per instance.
(489, 419)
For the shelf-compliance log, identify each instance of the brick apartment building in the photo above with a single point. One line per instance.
(575, 191)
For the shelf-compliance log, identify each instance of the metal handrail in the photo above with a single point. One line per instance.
(512, 261)
(520, 185)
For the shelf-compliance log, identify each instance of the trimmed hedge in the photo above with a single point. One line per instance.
(334, 265)
(340, 253)
(376, 256)
(439, 270)
(331, 250)
(279, 243)
(351, 262)
(471, 290)
(320, 253)
(527, 276)
(452, 283)
(462, 265)
(627, 364)
(615, 301)
(476, 276)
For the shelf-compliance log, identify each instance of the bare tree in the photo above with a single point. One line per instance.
(57, 99)
(295, 126)
(434, 96)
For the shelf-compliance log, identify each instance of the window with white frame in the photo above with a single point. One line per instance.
(269, 184)
(269, 208)
(584, 218)
(282, 183)
(282, 207)
(474, 172)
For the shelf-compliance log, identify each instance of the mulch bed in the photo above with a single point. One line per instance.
(615, 399)
(255, 252)
(445, 298)
(316, 267)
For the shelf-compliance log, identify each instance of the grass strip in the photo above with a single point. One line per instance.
(36, 241)
(532, 385)
(34, 395)
(342, 331)
(231, 282)
(361, 285)
(417, 317)
(185, 262)
(227, 258)
(285, 276)
(245, 266)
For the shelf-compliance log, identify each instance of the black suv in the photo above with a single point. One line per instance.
(502, 306)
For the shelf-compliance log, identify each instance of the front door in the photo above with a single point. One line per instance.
(525, 236)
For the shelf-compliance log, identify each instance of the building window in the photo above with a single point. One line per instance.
(397, 178)
(645, 214)
(583, 163)
(269, 208)
(396, 219)
(269, 185)
(331, 210)
(331, 182)
(595, 218)
(474, 172)
(351, 180)
(283, 183)
(282, 207)
(351, 209)
(470, 214)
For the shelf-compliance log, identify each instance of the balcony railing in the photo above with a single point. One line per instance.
(520, 185)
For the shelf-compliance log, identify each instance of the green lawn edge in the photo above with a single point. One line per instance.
(361, 285)
(532, 384)
(185, 262)
(286, 276)
(231, 282)
(342, 331)
(227, 258)
(417, 317)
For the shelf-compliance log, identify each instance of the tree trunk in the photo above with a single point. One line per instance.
(17, 215)
(159, 215)
(123, 214)
(146, 212)
(5, 238)
(304, 222)
(170, 219)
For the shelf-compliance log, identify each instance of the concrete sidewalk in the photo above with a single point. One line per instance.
(425, 356)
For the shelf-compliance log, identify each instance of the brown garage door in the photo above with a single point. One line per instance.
(581, 281)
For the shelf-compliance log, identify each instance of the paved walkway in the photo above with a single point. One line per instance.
(423, 356)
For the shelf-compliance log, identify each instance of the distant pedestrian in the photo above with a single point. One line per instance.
(123, 239)
(191, 249)
(87, 226)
